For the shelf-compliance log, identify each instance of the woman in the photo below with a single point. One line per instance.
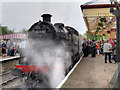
(3, 49)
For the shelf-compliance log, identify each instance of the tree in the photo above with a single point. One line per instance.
(91, 37)
(24, 31)
(4, 30)
(87, 34)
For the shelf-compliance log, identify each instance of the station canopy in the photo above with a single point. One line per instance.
(98, 18)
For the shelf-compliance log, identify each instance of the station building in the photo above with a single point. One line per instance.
(98, 18)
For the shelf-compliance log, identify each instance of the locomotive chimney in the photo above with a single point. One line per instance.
(46, 17)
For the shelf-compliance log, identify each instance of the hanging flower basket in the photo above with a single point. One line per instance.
(113, 30)
(100, 24)
(103, 34)
(108, 32)
(98, 28)
(91, 34)
(103, 20)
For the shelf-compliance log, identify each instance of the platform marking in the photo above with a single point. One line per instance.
(65, 79)
(9, 58)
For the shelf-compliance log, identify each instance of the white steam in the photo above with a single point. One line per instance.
(51, 54)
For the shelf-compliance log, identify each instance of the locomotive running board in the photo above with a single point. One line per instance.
(65, 79)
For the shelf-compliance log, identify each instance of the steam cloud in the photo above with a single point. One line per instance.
(51, 54)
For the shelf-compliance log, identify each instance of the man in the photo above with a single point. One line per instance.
(107, 50)
(93, 49)
(85, 48)
(89, 47)
(8, 48)
(102, 44)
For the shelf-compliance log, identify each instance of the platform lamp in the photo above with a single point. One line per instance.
(117, 14)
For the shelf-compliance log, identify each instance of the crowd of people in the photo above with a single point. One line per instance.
(95, 48)
(11, 48)
(90, 47)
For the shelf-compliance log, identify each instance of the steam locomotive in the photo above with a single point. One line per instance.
(47, 36)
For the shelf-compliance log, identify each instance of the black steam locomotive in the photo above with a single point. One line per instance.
(49, 37)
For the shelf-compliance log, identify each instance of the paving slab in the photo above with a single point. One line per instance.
(92, 73)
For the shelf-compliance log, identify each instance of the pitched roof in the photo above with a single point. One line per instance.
(97, 4)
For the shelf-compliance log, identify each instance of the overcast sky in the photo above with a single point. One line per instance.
(19, 14)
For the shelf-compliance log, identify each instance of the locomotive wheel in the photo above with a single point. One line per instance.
(36, 80)
(37, 83)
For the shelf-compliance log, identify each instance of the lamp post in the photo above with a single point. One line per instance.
(117, 14)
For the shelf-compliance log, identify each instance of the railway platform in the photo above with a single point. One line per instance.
(8, 57)
(1, 57)
(91, 73)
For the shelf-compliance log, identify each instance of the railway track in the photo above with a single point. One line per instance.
(6, 78)
(7, 65)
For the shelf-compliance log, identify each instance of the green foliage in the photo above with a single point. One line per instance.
(91, 37)
(4, 30)
(98, 37)
(98, 28)
(24, 31)
(100, 24)
(103, 19)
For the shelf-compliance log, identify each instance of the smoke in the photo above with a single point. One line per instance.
(48, 53)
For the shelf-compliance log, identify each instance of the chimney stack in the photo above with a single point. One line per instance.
(46, 17)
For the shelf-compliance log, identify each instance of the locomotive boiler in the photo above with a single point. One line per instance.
(53, 38)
